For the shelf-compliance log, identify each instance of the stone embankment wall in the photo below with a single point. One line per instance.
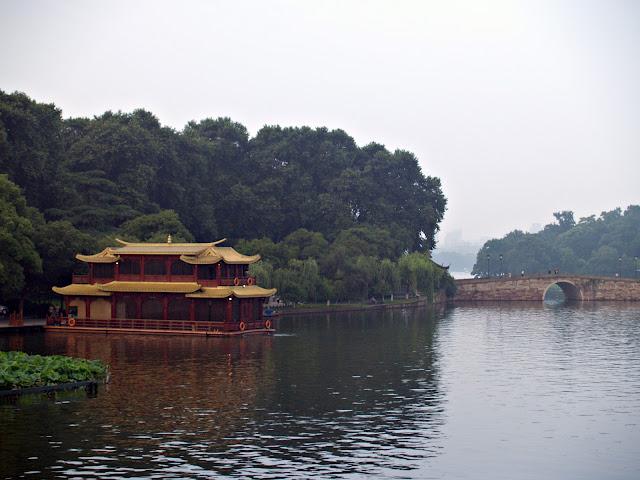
(533, 288)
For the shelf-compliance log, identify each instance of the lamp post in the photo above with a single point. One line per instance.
(488, 265)
(501, 265)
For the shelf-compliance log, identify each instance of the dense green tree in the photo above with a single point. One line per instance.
(277, 253)
(565, 219)
(304, 244)
(31, 148)
(156, 227)
(57, 243)
(98, 173)
(112, 166)
(19, 258)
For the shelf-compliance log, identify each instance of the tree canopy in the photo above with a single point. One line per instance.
(606, 245)
(99, 173)
(18, 255)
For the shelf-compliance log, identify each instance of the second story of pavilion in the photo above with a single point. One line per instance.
(208, 264)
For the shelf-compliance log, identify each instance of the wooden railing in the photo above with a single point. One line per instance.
(225, 282)
(152, 324)
(228, 282)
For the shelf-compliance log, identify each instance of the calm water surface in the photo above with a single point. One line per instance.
(500, 392)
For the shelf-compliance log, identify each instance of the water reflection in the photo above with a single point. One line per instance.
(348, 394)
(540, 391)
(496, 391)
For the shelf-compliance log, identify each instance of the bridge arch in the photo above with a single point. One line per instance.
(571, 290)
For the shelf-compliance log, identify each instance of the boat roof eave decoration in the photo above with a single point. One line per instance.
(200, 260)
(231, 256)
(81, 290)
(214, 254)
(252, 291)
(211, 292)
(105, 256)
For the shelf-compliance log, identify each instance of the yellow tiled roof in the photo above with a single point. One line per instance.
(144, 248)
(252, 291)
(230, 255)
(215, 254)
(193, 253)
(150, 287)
(191, 289)
(81, 290)
(205, 257)
(211, 292)
(105, 256)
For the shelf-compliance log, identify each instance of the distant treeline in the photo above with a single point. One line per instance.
(81, 182)
(606, 245)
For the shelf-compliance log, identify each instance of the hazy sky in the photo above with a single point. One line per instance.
(521, 108)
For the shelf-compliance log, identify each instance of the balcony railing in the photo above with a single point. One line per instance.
(226, 282)
(229, 282)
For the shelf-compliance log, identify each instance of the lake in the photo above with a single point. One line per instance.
(504, 391)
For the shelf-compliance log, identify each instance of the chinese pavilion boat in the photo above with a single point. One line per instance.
(185, 288)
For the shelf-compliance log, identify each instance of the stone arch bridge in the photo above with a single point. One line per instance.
(533, 288)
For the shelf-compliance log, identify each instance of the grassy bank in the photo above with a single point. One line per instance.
(19, 370)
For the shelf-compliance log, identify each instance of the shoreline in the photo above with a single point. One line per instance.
(439, 299)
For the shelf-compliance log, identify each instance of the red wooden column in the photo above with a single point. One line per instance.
(229, 314)
(192, 311)
(219, 271)
(116, 271)
(87, 308)
(141, 267)
(195, 273)
(167, 267)
(91, 273)
(113, 306)
(138, 306)
(165, 308)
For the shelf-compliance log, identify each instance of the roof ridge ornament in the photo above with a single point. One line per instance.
(169, 238)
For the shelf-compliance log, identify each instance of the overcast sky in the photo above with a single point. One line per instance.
(521, 108)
